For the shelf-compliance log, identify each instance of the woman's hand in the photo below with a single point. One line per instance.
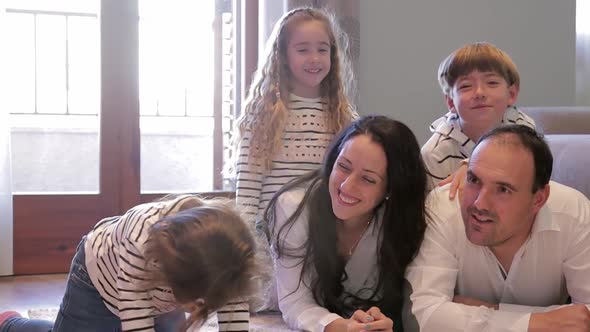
(370, 320)
(373, 320)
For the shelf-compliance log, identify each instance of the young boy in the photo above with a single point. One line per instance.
(480, 84)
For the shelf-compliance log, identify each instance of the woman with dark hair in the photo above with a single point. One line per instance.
(343, 235)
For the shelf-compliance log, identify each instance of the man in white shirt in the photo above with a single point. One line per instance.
(507, 254)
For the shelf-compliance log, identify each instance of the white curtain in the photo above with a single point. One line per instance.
(583, 52)
(5, 173)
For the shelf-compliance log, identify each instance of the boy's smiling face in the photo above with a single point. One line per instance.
(480, 99)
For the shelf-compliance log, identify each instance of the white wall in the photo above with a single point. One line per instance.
(5, 174)
(6, 224)
(402, 43)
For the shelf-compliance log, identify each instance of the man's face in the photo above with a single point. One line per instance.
(497, 205)
(480, 99)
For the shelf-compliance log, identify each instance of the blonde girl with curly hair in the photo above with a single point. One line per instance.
(298, 101)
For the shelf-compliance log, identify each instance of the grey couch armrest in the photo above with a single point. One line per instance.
(571, 160)
(560, 120)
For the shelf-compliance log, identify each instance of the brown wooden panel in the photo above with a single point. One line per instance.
(47, 230)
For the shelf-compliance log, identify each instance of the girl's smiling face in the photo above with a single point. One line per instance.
(308, 56)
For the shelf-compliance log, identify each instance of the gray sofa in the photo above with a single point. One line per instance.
(567, 131)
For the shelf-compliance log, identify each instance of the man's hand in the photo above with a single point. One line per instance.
(474, 302)
(573, 318)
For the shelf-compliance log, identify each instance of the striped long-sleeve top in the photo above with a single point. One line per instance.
(305, 140)
(115, 262)
(448, 145)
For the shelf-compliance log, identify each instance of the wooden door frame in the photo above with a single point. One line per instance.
(48, 228)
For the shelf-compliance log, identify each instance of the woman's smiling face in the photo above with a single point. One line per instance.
(358, 180)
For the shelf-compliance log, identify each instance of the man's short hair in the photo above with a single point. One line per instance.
(531, 141)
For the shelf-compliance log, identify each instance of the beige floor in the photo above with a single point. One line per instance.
(25, 292)
(45, 291)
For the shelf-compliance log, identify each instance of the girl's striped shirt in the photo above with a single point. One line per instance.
(305, 140)
(116, 265)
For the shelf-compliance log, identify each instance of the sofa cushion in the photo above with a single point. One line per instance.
(560, 120)
(571, 160)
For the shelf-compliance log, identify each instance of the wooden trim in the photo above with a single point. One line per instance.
(249, 45)
(119, 117)
(47, 230)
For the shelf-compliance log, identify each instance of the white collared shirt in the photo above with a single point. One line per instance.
(296, 301)
(552, 264)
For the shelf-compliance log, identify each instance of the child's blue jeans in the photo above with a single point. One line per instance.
(82, 309)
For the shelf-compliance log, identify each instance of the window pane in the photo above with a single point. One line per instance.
(176, 95)
(53, 151)
(20, 96)
(175, 156)
(51, 63)
(83, 69)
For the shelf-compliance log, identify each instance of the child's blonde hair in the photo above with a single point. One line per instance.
(205, 251)
(265, 110)
(482, 56)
